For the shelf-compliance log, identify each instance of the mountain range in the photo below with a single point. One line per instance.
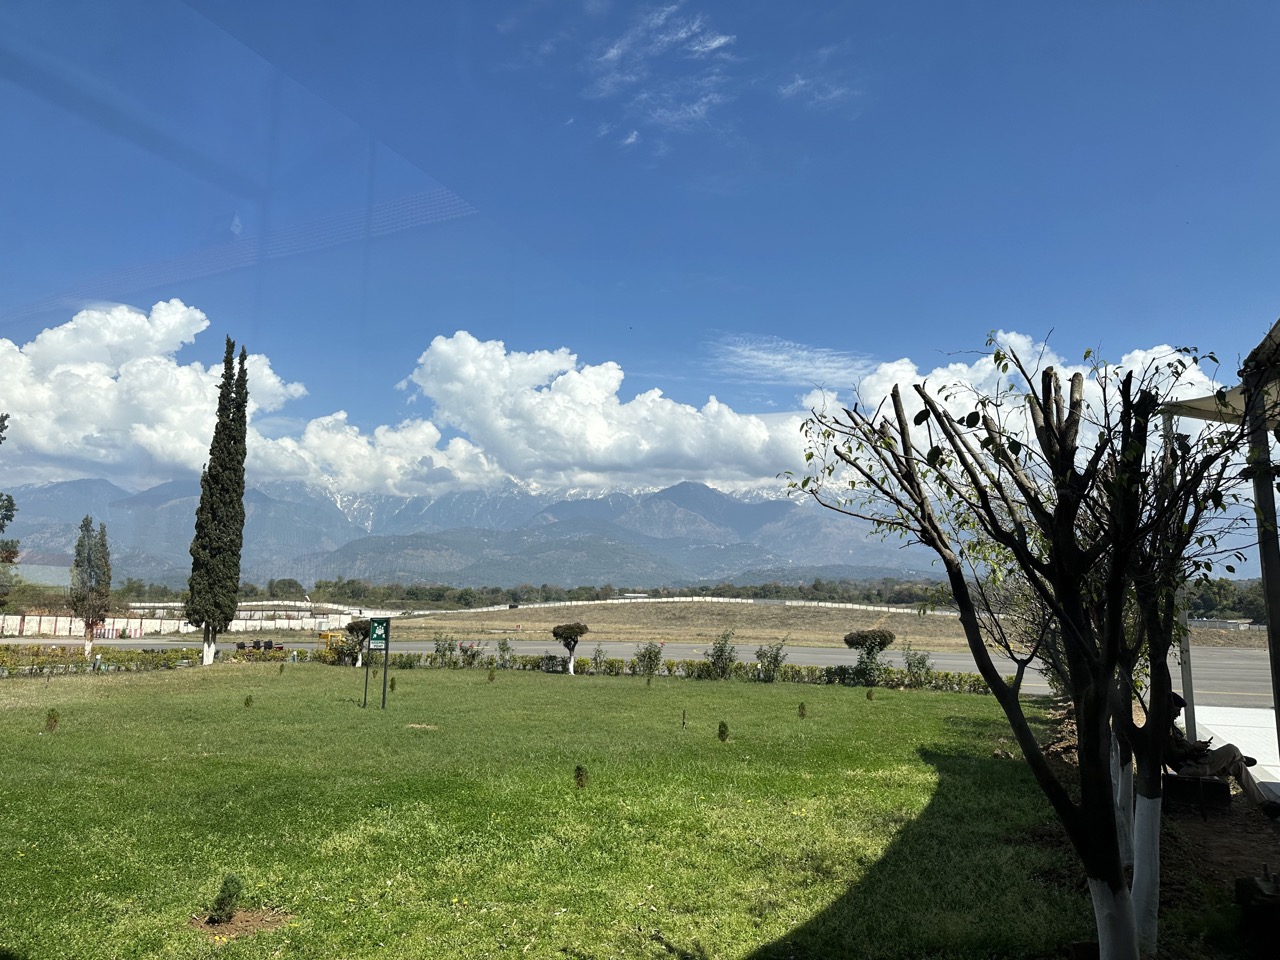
(683, 535)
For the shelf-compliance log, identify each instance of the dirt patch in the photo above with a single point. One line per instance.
(243, 923)
(1195, 852)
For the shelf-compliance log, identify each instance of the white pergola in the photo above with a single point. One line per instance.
(1254, 403)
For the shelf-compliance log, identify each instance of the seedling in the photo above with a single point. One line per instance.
(224, 904)
(802, 710)
(580, 776)
(51, 719)
(723, 732)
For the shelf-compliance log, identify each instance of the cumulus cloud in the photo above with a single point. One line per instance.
(104, 395)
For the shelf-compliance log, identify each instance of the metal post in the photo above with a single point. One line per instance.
(1264, 503)
(1184, 640)
(367, 657)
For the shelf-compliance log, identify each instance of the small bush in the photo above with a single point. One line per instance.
(723, 731)
(392, 684)
(51, 720)
(770, 658)
(505, 653)
(470, 653)
(493, 674)
(648, 658)
(722, 656)
(224, 904)
(870, 644)
(802, 710)
(919, 667)
(580, 776)
(248, 701)
(598, 657)
(445, 647)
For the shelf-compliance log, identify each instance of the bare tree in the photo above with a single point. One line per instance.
(1101, 518)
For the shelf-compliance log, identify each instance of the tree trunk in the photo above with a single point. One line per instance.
(1146, 873)
(88, 640)
(1122, 783)
(210, 645)
(571, 663)
(1113, 912)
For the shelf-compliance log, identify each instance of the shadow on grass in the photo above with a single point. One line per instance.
(958, 880)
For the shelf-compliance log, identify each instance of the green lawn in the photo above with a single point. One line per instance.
(450, 825)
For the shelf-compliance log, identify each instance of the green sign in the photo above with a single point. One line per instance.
(379, 631)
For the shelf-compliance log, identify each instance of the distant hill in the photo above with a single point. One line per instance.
(683, 535)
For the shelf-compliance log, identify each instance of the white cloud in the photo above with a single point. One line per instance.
(104, 395)
(632, 137)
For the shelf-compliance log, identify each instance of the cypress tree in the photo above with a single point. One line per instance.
(91, 579)
(8, 548)
(219, 533)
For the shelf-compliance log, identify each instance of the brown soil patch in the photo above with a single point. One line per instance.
(1195, 853)
(243, 923)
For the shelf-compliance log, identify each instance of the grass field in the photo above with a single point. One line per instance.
(451, 824)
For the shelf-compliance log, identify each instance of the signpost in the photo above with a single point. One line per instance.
(379, 639)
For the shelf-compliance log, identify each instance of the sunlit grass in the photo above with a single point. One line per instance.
(452, 824)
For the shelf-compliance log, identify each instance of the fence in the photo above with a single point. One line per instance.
(135, 628)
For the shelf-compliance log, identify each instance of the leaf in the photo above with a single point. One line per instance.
(1229, 568)
(921, 417)
(1015, 447)
(972, 420)
(933, 456)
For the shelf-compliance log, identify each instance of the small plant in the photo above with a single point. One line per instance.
(723, 731)
(224, 904)
(493, 674)
(802, 710)
(723, 655)
(248, 701)
(445, 649)
(505, 654)
(648, 659)
(770, 658)
(598, 657)
(919, 667)
(51, 719)
(470, 653)
(580, 776)
(392, 684)
(282, 668)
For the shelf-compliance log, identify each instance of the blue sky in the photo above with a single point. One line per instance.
(589, 203)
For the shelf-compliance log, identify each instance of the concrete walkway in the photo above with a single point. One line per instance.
(1253, 730)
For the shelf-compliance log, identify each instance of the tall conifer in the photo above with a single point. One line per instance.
(91, 579)
(219, 533)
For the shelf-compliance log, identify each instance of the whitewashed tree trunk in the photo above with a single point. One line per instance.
(571, 665)
(1146, 873)
(1122, 785)
(1113, 913)
(210, 645)
(88, 644)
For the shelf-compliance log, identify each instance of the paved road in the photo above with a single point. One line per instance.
(1224, 676)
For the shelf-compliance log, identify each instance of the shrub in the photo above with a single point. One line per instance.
(51, 719)
(445, 647)
(248, 701)
(493, 673)
(919, 667)
(505, 653)
(802, 710)
(723, 731)
(580, 776)
(598, 658)
(470, 653)
(770, 658)
(392, 684)
(722, 656)
(870, 644)
(224, 904)
(648, 658)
